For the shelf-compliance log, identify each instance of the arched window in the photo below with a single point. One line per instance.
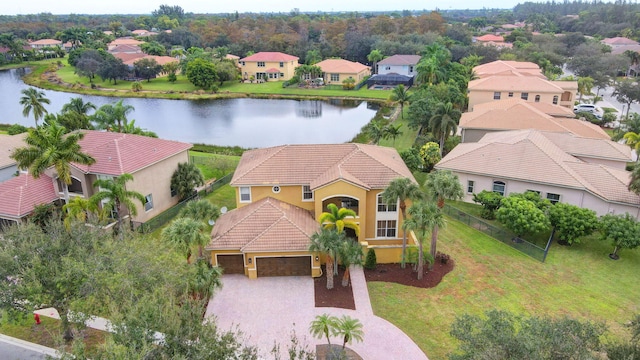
(499, 187)
(537, 98)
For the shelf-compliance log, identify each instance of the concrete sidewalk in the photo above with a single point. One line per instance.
(32, 350)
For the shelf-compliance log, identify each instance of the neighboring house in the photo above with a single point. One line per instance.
(161, 60)
(335, 71)
(282, 190)
(8, 166)
(268, 65)
(123, 41)
(398, 64)
(561, 167)
(126, 49)
(505, 80)
(151, 161)
(618, 42)
(21, 194)
(517, 114)
(142, 32)
(45, 43)
(492, 40)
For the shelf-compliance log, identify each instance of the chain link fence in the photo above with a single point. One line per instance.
(499, 234)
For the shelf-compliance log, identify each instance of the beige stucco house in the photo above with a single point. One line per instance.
(562, 167)
(281, 191)
(335, 71)
(268, 65)
(517, 114)
(151, 161)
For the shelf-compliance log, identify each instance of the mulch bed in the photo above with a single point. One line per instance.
(339, 297)
(325, 352)
(396, 274)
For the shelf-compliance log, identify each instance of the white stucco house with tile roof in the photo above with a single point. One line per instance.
(562, 167)
(281, 191)
(398, 64)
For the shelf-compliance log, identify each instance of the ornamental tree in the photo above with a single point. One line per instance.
(622, 230)
(572, 222)
(521, 216)
(202, 73)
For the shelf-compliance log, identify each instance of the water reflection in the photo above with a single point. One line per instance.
(243, 122)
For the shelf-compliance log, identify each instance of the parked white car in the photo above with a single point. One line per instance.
(588, 108)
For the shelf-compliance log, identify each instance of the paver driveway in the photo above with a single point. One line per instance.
(269, 309)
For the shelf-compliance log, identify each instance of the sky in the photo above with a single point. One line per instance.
(13, 7)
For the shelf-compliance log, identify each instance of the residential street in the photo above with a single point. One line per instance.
(16, 349)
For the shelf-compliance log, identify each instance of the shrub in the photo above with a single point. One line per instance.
(16, 129)
(349, 84)
(444, 258)
(412, 257)
(371, 261)
(490, 202)
(411, 158)
(430, 155)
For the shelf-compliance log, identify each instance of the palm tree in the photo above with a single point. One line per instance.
(339, 219)
(78, 105)
(186, 177)
(401, 190)
(442, 185)
(202, 210)
(206, 279)
(585, 84)
(184, 233)
(400, 95)
(112, 117)
(634, 183)
(327, 241)
(117, 197)
(376, 131)
(350, 329)
(633, 140)
(392, 132)
(350, 254)
(444, 122)
(323, 325)
(32, 101)
(48, 147)
(423, 218)
(80, 209)
(374, 56)
(428, 71)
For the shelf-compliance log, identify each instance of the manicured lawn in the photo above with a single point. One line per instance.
(214, 166)
(406, 139)
(578, 281)
(224, 196)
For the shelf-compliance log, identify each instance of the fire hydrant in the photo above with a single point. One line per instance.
(36, 317)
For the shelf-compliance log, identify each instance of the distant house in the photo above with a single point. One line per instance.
(123, 41)
(268, 65)
(337, 70)
(504, 67)
(507, 80)
(560, 167)
(398, 64)
(126, 49)
(151, 161)
(618, 42)
(45, 43)
(491, 40)
(280, 193)
(142, 32)
(8, 166)
(517, 114)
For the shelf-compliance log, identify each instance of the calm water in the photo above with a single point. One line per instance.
(243, 122)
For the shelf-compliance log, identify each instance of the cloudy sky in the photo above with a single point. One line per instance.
(13, 7)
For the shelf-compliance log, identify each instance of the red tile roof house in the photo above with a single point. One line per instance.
(39, 44)
(268, 65)
(151, 161)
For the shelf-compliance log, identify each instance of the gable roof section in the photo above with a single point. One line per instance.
(490, 37)
(125, 41)
(400, 60)
(265, 225)
(367, 166)
(46, 42)
(125, 48)
(499, 66)
(7, 144)
(270, 56)
(619, 41)
(530, 84)
(608, 183)
(341, 66)
(20, 195)
(117, 153)
(517, 114)
(590, 147)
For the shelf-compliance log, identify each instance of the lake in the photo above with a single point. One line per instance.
(227, 122)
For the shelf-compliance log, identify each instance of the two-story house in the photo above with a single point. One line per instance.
(282, 190)
(268, 65)
(398, 64)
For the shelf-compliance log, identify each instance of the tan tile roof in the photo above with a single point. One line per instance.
(400, 60)
(161, 60)
(490, 37)
(232, 57)
(368, 166)
(117, 153)
(124, 56)
(270, 56)
(126, 49)
(530, 84)
(7, 144)
(19, 195)
(550, 109)
(125, 41)
(517, 114)
(499, 66)
(590, 147)
(619, 41)
(265, 225)
(341, 66)
(528, 155)
(46, 42)
(621, 49)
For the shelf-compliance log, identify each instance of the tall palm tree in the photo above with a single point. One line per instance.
(429, 72)
(424, 217)
(201, 210)
(47, 147)
(339, 219)
(633, 140)
(185, 178)
(350, 254)
(78, 105)
(400, 95)
(327, 241)
(80, 209)
(206, 279)
(444, 122)
(401, 190)
(349, 329)
(32, 101)
(392, 132)
(323, 325)
(184, 233)
(112, 117)
(375, 131)
(585, 84)
(442, 185)
(634, 183)
(374, 56)
(117, 197)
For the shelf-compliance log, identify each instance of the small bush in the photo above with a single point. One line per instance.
(371, 261)
(412, 257)
(442, 257)
(16, 129)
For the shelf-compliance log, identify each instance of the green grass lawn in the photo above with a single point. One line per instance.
(406, 139)
(214, 166)
(578, 281)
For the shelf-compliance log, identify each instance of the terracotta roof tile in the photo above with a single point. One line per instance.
(341, 66)
(19, 195)
(368, 166)
(265, 225)
(270, 56)
(46, 42)
(589, 147)
(530, 84)
(490, 37)
(400, 60)
(619, 41)
(7, 144)
(500, 66)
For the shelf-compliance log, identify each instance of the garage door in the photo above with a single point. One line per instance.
(231, 264)
(284, 266)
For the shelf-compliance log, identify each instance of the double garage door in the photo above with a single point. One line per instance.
(284, 266)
